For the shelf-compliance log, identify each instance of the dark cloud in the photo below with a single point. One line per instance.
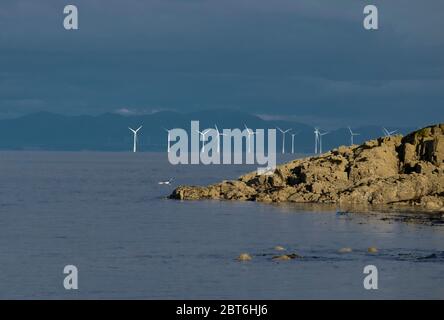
(301, 58)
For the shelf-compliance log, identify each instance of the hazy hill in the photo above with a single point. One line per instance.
(109, 132)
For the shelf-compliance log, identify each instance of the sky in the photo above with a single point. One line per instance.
(307, 60)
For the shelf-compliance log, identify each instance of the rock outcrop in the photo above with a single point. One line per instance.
(390, 170)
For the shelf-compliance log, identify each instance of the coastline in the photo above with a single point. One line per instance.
(387, 173)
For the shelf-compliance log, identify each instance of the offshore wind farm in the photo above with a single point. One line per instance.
(76, 133)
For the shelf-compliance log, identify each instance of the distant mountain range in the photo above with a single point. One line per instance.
(109, 132)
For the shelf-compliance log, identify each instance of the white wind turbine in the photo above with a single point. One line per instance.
(218, 138)
(250, 134)
(169, 138)
(317, 135)
(352, 134)
(283, 138)
(388, 133)
(320, 140)
(135, 137)
(203, 134)
(292, 141)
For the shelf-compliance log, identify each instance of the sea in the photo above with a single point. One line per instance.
(106, 214)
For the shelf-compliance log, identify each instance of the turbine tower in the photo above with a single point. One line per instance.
(169, 138)
(218, 138)
(283, 138)
(135, 137)
(388, 133)
(292, 141)
(352, 134)
(203, 134)
(317, 134)
(250, 133)
(320, 140)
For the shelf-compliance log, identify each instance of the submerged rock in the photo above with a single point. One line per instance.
(279, 248)
(244, 257)
(286, 257)
(345, 250)
(387, 171)
(294, 256)
(281, 258)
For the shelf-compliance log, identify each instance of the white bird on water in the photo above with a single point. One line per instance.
(168, 182)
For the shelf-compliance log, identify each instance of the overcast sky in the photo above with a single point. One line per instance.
(309, 60)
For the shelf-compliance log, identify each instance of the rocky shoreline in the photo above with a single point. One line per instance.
(389, 171)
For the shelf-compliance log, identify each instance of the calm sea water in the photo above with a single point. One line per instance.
(106, 214)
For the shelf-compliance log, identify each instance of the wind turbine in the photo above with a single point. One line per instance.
(352, 134)
(283, 138)
(203, 134)
(292, 141)
(320, 140)
(317, 133)
(218, 138)
(250, 133)
(388, 133)
(135, 137)
(169, 138)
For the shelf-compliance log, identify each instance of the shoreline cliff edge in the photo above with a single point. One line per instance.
(405, 171)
